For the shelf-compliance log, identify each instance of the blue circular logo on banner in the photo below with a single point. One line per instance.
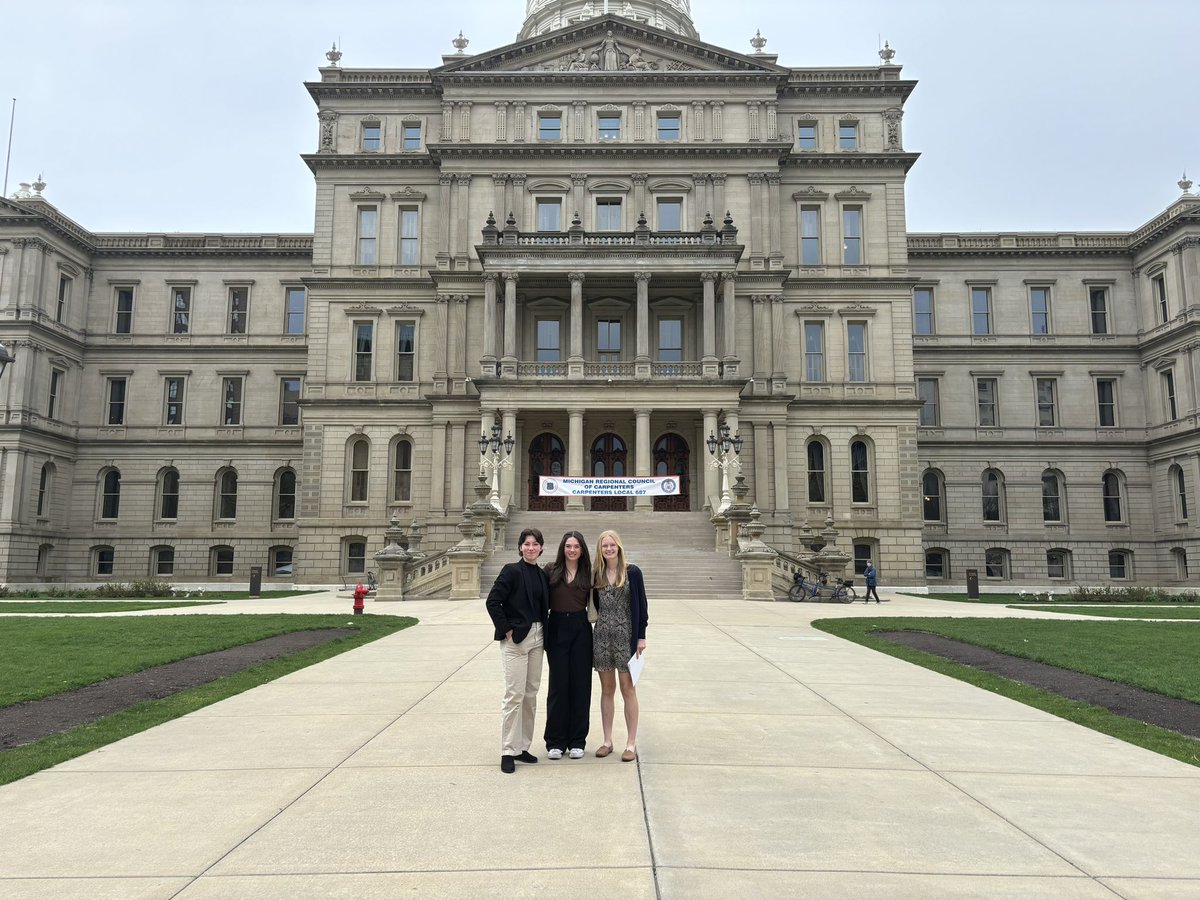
(669, 486)
(548, 485)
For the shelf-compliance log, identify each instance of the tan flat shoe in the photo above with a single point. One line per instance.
(629, 755)
(603, 750)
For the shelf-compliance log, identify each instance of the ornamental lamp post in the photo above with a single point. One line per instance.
(495, 455)
(718, 448)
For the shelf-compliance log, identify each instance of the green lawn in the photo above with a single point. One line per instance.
(1156, 656)
(94, 606)
(1141, 611)
(40, 657)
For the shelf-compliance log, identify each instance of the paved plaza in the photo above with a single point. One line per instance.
(776, 761)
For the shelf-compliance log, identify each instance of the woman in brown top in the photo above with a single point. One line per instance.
(569, 649)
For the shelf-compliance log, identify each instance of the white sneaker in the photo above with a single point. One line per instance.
(557, 754)
(574, 753)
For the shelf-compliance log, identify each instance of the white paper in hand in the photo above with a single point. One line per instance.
(635, 666)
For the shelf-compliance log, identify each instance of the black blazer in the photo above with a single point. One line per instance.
(511, 607)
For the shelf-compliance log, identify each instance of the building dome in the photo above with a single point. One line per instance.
(542, 16)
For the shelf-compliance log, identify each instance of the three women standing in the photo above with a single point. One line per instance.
(569, 649)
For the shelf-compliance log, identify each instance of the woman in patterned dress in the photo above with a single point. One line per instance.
(620, 633)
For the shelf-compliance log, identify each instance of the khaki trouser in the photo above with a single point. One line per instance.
(522, 676)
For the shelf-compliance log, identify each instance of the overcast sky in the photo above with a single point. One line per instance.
(157, 115)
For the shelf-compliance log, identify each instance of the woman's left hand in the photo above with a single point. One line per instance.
(641, 646)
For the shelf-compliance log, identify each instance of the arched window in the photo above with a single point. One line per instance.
(1120, 564)
(1110, 489)
(993, 495)
(1181, 563)
(360, 461)
(995, 562)
(282, 562)
(937, 563)
(1179, 492)
(355, 555)
(285, 494)
(104, 560)
(110, 493)
(162, 560)
(860, 473)
(1058, 564)
(865, 550)
(932, 488)
(43, 560)
(816, 472)
(220, 561)
(1053, 507)
(402, 471)
(168, 494)
(45, 490)
(227, 494)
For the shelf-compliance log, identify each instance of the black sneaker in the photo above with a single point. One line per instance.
(507, 765)
(526, 757)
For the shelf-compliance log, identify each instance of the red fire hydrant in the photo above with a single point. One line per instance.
(360, 594)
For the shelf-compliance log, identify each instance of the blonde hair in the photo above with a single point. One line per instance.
(600, 568)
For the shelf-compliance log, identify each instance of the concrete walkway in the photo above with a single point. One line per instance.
(777, 761)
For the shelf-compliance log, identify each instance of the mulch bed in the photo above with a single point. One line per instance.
(24, 723)
(1180, 716)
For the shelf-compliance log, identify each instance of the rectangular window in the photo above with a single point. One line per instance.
(1039, 310)
(364, 349)
(927, 390)
(124, 321)
(668, 126)
(116, 401)
(856, 343)
(609, 127)
(985, 402)
(608, 214)
(368, 236)
(1168, 385)
(806, 135)
(1118, 564)
(670, 340)
(670, 214)
(814, 351)
(1159, 284)
(549, 214)
(164, 561)
(549, 127)
(410, 237)
(411, 136)
(981, 310)
(56, 383)
(923, 310)
(406, 351)
(810, 235)
(105, 558)
(549, 349)
(296, 300)
(173, 392)
(372, 136)
(1106, 402)
(608, 340)
(1098, 307)
(181, 314)
(289, 400)
(231, 393)
(852, 235)
(848, 135)
(64, 294)
(239, 309)
(1047, 402)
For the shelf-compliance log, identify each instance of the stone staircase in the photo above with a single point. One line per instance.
(674, 550)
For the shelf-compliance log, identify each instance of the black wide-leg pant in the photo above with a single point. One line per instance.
(569, 699)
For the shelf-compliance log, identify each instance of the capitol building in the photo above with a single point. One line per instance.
(608, 240)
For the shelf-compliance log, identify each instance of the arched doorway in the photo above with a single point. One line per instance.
(671, 456)
(546, 457)
(609, 461)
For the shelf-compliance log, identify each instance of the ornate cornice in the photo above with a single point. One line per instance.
(855, 159)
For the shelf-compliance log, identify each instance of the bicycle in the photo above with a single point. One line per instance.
(819, 591)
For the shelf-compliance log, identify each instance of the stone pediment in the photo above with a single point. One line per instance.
(609, 45)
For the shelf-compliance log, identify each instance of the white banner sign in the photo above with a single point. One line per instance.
(654, 486)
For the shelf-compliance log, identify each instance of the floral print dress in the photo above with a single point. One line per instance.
(613, 630)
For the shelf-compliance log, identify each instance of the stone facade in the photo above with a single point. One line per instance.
(609, 239)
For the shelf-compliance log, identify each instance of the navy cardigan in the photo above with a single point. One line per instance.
(638, 613)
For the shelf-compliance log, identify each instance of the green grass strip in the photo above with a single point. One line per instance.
(50, 751)
(91, 606)
(1052, 641)
(1141, 611)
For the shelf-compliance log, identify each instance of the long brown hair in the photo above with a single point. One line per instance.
(602, 563)
(557, 570)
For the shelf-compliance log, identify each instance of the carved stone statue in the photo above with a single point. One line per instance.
(579, 62)
(610, 54)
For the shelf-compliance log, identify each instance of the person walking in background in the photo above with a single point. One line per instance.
(569, 649)
(620, 634)
(872, 577)
(519, 604)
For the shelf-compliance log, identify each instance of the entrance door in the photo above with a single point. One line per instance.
(608, 461)
(546, 457)
(672, 457)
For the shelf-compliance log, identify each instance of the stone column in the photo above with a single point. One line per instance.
(462, 244)
(703, 200)
(752, 107)
(708, 360)
(718, 120)
(729, 292)
(487, 366)
(762, 362)
(773, 215)
(441, 329)
(779, 435)
(697, 120)
(447, 134)
(509, 362)
(575, 452)
(778, 345)
(757, 208)
(458, 336)
(508, 475)
(501, 121)
(642, 361)
(437, 469)
(518, 121)
(641, 454)
(457, 453)
(578, 198)
(580, 109)
(718, 183)
(639, 120)
(575, 359)
(763, 475)
(464, 120)
(712, 475)
(444, 252)
(639, 195)
(517, 194)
